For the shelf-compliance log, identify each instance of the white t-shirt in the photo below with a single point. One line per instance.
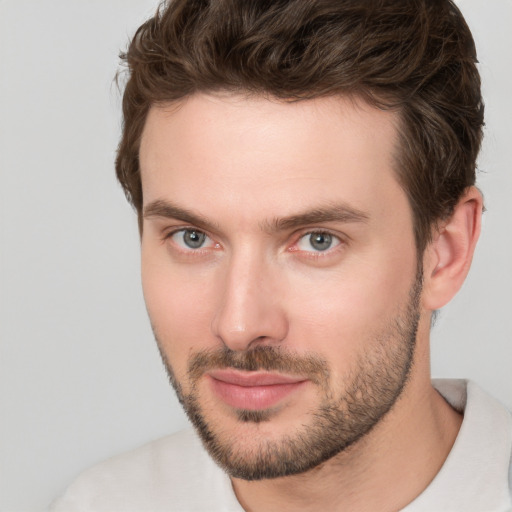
(176, 474)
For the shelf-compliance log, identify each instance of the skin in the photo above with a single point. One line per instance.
(241, 163)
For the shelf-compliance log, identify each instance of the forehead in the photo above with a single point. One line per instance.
(253, 155)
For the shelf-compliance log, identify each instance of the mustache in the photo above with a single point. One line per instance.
(265, 358)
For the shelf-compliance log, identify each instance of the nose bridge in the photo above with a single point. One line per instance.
(248, 311)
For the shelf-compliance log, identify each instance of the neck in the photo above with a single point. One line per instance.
(385, 470)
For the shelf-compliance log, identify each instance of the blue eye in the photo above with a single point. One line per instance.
(318, 241)
(191, 239)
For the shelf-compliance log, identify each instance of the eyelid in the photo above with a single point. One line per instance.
(341, 240)
(169, 234)
(172, 230)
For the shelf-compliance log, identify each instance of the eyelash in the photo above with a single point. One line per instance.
(190, 251)
(309, 254)
(340, 242)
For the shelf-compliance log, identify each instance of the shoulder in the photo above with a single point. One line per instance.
(172, 473)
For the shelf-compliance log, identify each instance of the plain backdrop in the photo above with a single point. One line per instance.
(80, 377)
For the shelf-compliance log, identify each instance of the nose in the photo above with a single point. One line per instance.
(249, 312)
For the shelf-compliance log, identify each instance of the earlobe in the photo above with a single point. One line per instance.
(448, 257)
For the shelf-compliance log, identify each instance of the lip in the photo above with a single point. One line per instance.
(253, 390)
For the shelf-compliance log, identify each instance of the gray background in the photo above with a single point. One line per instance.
(80, 378)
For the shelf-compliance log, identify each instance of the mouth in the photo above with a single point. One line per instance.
(253, 390)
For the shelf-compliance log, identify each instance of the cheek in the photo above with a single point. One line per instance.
(340, 314)
(179, 307)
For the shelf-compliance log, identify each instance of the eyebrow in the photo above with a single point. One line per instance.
(167, 210)
(331, 212)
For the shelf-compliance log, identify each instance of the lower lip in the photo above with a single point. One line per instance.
(253, 398)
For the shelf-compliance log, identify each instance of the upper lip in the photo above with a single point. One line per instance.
(258, 378)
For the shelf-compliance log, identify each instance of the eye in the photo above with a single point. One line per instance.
(191, 239)
(318, 241)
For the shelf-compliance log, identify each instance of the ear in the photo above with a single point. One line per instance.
(448, 257)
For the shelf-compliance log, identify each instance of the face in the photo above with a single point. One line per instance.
(279, 272)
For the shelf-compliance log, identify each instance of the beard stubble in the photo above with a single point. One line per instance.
(372, 387)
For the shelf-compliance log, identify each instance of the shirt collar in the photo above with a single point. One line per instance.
(474, 476)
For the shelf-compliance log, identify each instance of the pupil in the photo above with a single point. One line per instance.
(193, 239)
(321, 241)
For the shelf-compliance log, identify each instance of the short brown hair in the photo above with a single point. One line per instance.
(415, 56)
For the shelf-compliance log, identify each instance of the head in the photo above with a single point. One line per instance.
(290, 163)
(416, 58)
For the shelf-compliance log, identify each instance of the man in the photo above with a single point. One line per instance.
(304, 177)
